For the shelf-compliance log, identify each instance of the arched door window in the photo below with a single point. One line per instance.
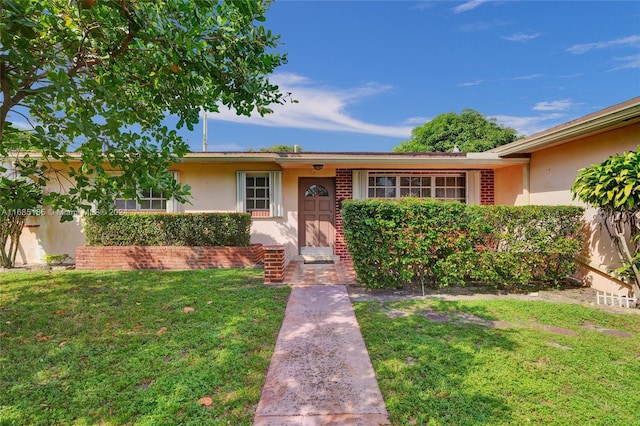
(316, 191)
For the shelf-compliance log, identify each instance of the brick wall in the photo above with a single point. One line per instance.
(275, 262)
(166, 257)
(487, 188)
(344, 191)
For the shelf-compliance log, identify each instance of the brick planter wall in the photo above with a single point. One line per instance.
(166, 257)
(275, 262)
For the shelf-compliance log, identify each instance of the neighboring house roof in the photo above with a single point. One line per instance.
(622, 114)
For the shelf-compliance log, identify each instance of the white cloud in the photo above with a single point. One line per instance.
(318, 108)
(478, 82)
(561, 105)
(530, 125)
(417, 121)
(472, 83)
(465, 7)
(579, 49)
(522, 37)
(628, 62)
(483, 25)
(526, 77)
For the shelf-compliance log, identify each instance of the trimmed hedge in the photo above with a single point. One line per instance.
(392, 243)
(173, 229)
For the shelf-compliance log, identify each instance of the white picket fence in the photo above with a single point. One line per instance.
(611, 299)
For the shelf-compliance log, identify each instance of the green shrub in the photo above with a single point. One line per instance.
(160, 229)
(439, 243)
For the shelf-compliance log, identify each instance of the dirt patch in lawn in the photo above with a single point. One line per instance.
(581, 295)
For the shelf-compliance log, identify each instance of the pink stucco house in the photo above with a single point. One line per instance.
(295, 198)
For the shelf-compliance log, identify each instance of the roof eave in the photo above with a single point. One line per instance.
(601, 121)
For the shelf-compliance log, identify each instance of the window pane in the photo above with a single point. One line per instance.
(426, 181)
(451, 193)
(405, 181)
(380, 181)
(404, 192)
(426, 192)
(462, 193)
(439, 181)
(146, 194)
(440, 193)
(379, 192)
(391, 181)
(316, 191)
(461, 181)
(372, 181)
(257, 193)
(145, 205)
(372, 193)
(390, 193)
(415, 192)
(416, 181)
(121, 204)
(451, 181)
(156, 204)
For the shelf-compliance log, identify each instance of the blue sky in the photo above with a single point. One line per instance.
(367, 72)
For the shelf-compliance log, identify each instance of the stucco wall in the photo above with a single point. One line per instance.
(508, 186)
(553, 172)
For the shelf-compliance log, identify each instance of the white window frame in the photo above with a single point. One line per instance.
(275, 197)
(171, 204)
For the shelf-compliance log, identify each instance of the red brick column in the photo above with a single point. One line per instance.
(487, 187)
(274, 264)
(344, 191)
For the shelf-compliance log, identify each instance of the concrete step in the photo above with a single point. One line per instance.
(319, 258)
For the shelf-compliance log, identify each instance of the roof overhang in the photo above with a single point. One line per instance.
(288, 160)
(620, 115)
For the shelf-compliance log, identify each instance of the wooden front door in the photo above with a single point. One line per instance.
(316, 205)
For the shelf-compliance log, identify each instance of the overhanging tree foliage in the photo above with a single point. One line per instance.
(470, 131)
(613, 186)
(100, 77)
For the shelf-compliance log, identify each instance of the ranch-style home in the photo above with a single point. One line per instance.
(294, 198)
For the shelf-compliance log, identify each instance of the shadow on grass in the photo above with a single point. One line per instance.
(118, 347)
(422, 358)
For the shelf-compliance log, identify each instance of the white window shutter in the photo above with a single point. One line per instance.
(275, 194)
(473, 187)
(241, 189)
(173, 206)
(359, 184)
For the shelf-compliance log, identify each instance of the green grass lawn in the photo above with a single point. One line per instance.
(453, 363)
(118, 347)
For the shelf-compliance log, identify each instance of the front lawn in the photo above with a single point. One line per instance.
(503, 362)
(135, 347)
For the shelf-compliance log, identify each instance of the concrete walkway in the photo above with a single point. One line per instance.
(320, 372)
